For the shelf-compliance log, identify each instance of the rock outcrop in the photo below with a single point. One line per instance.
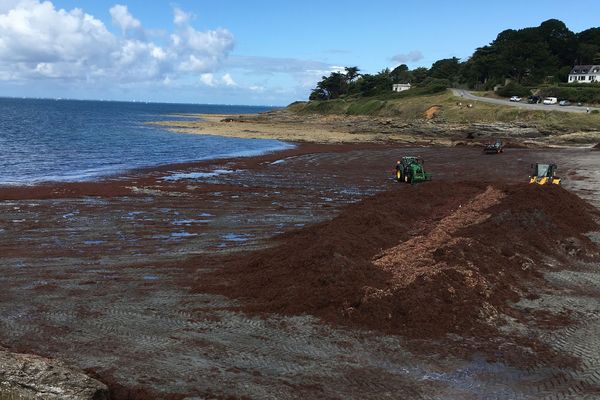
(26, 376)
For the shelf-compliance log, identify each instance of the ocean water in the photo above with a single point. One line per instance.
(69, 140)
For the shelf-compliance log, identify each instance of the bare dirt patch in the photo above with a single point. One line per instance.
(432, 111)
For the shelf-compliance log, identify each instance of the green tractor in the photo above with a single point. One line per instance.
(410, 170)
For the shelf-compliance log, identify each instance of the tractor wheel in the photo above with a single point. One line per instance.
(398, 176)
(412, 180)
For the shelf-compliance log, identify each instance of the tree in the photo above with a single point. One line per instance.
(401, 74)
(331, 87)
(448, 68)
(527, 56)
(561, 42)
(371, 85)
(352, 73)
(335, 85)
(588, 47)
(586, 53)
(318, 94)
(419, 75)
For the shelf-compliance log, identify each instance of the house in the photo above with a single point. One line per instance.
(585, 74)
(400, 87)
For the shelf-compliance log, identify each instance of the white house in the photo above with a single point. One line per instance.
(400, 87)
(585, 74)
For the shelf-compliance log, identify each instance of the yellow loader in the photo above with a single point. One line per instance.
(544, 174)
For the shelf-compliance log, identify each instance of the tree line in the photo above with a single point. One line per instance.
(528, 57)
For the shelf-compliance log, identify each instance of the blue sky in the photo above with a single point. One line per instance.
(239, 52)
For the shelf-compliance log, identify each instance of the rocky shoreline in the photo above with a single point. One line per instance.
(285, 124)
(27, 376)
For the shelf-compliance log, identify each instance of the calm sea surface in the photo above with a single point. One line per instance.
(68, 140)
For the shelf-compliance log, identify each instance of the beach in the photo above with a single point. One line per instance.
(425, 126)
(106, 274)
(198, 205)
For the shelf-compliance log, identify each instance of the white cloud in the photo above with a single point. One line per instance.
(202, 51)
(158, 53)
(45, 69)
(34, 32)
(180, 17)
(7, 5)
(208, 79)
(123, 19)
(228, 80)
(42, 46)
(337, 68)
(39, 41)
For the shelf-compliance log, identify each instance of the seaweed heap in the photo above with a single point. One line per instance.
(421, 261)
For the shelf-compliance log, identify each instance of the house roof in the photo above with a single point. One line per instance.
(585, 69)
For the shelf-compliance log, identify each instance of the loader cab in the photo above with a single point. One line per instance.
(547, 170)
(544, 173)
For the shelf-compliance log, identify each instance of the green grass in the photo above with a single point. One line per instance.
(412, 108)
(369, 107)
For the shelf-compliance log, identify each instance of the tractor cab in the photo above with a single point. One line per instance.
(408, 160)
(544, 174)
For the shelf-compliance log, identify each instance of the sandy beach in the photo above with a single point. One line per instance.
(330, 129)
(289, 126)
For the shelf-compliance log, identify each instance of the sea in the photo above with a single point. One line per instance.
(47, 140)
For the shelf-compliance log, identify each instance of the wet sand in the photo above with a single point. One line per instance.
(94, 274)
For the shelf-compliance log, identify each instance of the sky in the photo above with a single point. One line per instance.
(261, 52)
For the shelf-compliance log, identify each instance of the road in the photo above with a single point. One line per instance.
(540, 107)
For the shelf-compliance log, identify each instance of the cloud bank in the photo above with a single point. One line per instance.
(38, 41)
(46, 51)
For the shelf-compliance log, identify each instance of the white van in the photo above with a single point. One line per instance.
(550, 100)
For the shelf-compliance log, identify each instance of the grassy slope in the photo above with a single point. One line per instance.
(413, 108)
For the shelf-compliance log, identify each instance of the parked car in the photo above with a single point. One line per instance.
(515, 98)
(564, 103)
(533, 99)
(550, 100)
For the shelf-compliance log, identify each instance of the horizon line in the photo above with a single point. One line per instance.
(137, 101)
